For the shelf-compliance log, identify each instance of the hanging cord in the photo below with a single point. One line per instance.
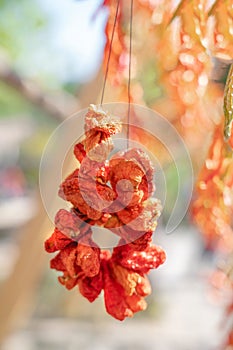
(109, 53)
(129, 79)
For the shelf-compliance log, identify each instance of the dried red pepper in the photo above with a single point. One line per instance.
(115, 194)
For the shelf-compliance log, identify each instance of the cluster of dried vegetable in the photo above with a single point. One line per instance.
(114, 194)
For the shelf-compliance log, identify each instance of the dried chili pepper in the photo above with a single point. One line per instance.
(115, 194)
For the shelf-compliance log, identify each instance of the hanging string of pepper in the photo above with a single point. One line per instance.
(115, 194)
(132, 214)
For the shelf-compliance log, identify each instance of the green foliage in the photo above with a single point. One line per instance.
(20, 22)
(150, 83)
(11, 102)
(173, 184)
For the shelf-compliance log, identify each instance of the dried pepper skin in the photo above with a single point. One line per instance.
(132, 282)
(99, 126)
(79, 152)
(117, 301)
(135, 166)
(114, 297)
(114, 194)
(73, 258)
(141, 261)
(70, 224)
(70, 191)
(65, 261)
(142, 218)
(142, 242)
(91, 287)
(57, 241)
(102, 122)
(140, 158)
(67, 281)
(125, 169)
(88, 258)
(124, 291)
(75, 261)
(98, 146)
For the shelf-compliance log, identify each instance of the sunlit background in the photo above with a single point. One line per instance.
(50, 57)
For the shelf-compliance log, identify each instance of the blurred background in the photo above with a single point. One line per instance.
(51, 53)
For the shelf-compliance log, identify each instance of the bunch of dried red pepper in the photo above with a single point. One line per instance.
(114, 194)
